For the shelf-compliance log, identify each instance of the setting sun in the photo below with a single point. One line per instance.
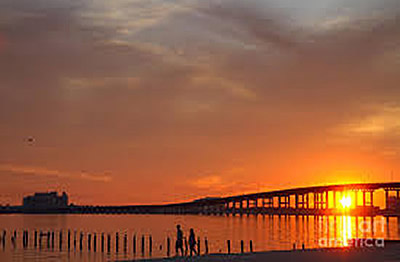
(345, 201)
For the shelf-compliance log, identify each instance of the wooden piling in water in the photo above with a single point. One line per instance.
(60, 239)
(108, 243)
(94, 242)
(125, 243)
(48, 239)
(52, 239)
(81, 241)
(35, 239)
(251, 246)
(102, 242)
(143, 245)
(69, 239)
(206, 245)
(229, 246)
(4, 238)
(23, 238)
(241, 246)
(150, 245)
(74, 240)
(116, 242)
(134, 244)
(89, 243)
(40, 239)
(13, 241)
(27, 238)
(198, 246)
(168, 246)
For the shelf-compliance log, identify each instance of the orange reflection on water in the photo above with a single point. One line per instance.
(346, 230)
(345, 202)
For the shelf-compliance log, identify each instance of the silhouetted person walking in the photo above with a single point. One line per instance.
(179, 240)
(192, 242)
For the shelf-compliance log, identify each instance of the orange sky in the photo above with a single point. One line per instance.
(159, 101)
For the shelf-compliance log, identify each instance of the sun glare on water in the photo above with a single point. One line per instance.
(345, 202)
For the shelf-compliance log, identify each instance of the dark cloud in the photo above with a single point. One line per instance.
(332, 64)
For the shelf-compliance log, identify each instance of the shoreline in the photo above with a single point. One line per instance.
(391, 252)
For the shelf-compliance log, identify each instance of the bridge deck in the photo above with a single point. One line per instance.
(249, 203)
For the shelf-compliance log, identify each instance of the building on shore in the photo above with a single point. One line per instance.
(48, 200)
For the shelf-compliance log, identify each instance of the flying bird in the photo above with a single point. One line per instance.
(30, 140)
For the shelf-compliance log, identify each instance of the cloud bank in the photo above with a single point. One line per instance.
(164, 93)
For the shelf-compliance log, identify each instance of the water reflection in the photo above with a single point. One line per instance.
(346, 230)
(267, 233)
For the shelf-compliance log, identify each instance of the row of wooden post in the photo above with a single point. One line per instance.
(302, 246)
(91, 238)
(228, 242)
(104, 240)
(78, 240)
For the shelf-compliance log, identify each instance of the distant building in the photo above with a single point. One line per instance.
(46, 200)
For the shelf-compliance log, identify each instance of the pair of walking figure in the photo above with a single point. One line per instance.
(180, 239)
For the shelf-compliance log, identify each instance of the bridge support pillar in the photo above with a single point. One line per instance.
(356, 198)
(364, 200)
(372, 198)
(307, 201)
(326, 199)
(386, 198)
(315, 200)
(296, 201)
(321, 200)
(334, 199)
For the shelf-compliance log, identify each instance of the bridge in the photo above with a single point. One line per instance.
(316, 200)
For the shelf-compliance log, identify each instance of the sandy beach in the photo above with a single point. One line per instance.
(391, 252)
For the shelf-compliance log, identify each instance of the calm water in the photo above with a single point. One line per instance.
(267, 233)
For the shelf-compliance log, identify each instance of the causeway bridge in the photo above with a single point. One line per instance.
(316, 200)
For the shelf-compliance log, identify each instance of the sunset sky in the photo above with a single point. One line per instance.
(139, 101)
